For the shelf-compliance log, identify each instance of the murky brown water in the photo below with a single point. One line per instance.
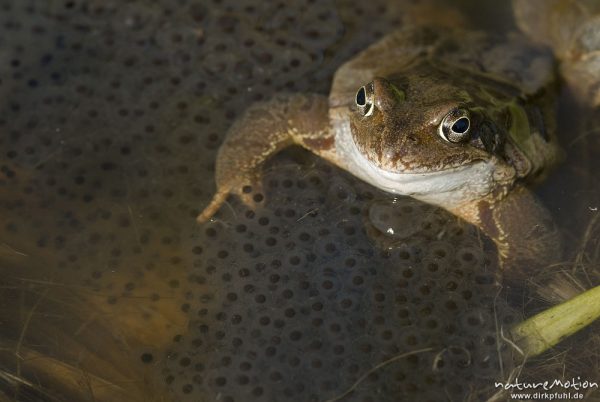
(110, 116)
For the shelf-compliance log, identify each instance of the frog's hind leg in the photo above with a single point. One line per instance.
(571, 28)
(263, 130)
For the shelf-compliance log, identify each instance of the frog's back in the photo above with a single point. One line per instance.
(511, 59)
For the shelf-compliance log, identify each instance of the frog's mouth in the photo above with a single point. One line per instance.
(448, 187)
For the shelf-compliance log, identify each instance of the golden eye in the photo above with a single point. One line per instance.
(455, 127)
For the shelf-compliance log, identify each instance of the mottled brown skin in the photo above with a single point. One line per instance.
(413, 79)
(263, 130)
(521, 227)
(406, 128)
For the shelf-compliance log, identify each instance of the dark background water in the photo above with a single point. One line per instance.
(111, 113)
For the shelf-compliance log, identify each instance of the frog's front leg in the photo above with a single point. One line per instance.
(522, 228)
(263, 130)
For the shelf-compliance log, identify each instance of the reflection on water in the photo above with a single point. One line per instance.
(110, 116)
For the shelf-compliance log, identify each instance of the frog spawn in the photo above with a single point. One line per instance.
(303, 306)
(403, 218)
(111, 115)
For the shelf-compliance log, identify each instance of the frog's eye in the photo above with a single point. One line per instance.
(455, 126)
(364, 100)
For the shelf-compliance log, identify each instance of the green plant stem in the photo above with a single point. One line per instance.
(544, 330)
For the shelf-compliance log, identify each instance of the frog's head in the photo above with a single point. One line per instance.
(430, 134)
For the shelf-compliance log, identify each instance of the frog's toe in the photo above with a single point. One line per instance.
(251, 196)
(215, 204)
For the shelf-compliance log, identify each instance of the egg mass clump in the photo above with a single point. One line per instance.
(111, 113)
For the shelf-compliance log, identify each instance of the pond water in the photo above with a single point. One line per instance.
(111, 113)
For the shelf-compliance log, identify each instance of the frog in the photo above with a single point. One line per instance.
(451, 116)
